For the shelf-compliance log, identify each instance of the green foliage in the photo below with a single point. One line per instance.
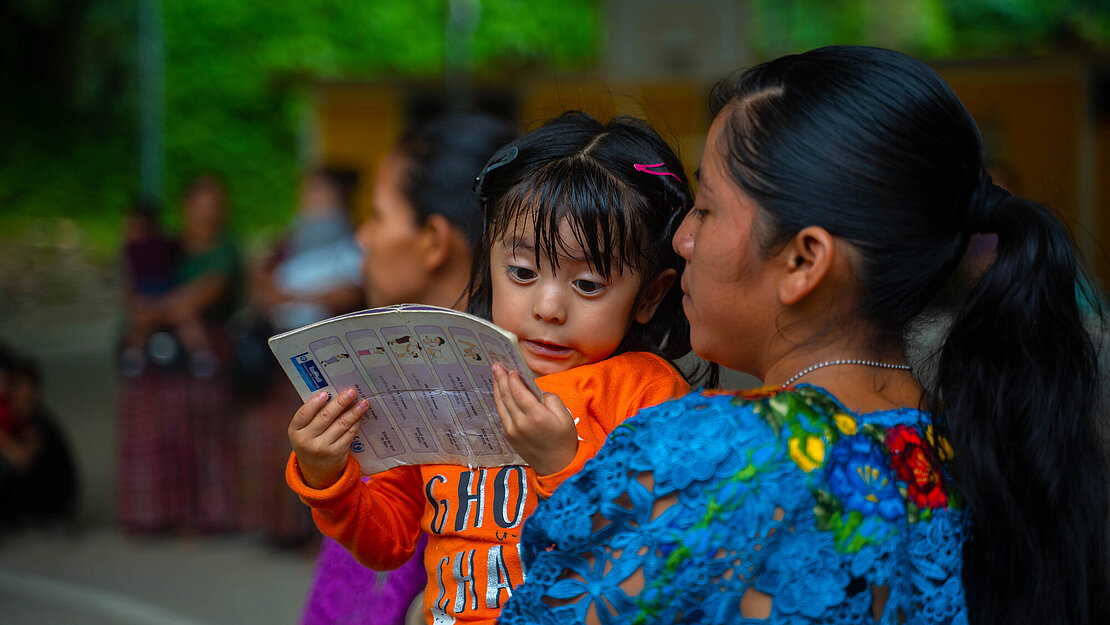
(236, 79)
(237, 75)
(932, 28)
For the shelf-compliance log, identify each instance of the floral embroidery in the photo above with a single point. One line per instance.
(808, 451)
(861, 486)
(846, 423)
(783, 491)
(912, 464)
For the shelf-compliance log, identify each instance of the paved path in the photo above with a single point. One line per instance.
(98, 576)
(94, 575)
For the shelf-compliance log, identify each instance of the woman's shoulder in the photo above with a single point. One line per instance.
(887, 462)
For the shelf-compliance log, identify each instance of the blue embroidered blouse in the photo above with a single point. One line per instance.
(837, 517)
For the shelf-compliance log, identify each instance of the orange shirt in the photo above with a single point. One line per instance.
(473, 517)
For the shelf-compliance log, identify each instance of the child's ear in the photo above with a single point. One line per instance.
(437, 241)
(654, 294)
(809, 255)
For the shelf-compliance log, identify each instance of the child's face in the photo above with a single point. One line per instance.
(565, 319)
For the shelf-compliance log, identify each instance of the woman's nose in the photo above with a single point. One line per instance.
(363, 235)
(683, 240)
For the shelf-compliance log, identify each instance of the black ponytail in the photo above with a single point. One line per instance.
(1016, 391)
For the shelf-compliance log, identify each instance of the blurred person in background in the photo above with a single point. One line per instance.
(176, 446)
(38, 479)
(418, 245)
(314, 272)
(150, 260)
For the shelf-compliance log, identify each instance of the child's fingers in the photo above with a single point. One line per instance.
(555, 404)
(308, 410)
(502, 399)
(522, 397)
(346, 424)
(322, 418)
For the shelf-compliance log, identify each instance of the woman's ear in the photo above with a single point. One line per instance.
(653, 295)
(809, 256)
(437, 242)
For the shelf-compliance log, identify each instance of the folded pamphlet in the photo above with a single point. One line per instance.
(426, 372)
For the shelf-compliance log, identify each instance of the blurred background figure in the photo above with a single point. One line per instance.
(38, 479)
(176, 447)
(150, 263)
(312, 273)
(418, 245)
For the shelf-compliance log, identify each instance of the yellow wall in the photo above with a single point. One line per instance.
(356, 125)
(1031, 115)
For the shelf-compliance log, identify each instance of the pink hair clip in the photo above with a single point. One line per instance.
(645, 168)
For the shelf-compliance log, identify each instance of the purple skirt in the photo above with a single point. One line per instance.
(345, 592)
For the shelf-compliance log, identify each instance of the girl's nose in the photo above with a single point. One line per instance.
(549, 307)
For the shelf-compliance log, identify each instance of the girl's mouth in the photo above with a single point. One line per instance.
(547, 350)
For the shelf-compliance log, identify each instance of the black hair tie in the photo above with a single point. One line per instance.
(984, 199)
(503, 157)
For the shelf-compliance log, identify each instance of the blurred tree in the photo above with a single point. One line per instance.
(233, 80)
(67, 101)
(234, 71)
(932, 28)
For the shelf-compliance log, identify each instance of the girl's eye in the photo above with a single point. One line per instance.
(520, 274)
(588, 287)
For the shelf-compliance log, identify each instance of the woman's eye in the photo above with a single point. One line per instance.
(588, 287)
(520, 274)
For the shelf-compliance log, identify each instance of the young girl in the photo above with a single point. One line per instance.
(575, 259)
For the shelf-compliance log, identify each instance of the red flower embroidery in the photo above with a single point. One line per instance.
(911, 462)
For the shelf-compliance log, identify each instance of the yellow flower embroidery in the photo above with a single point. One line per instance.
(845, 423)
(808, 452)
(940, 444)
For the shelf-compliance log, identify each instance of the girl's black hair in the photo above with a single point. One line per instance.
(443, 156)
(577, 169)
(874, 147)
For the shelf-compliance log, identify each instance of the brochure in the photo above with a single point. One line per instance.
(426, 372)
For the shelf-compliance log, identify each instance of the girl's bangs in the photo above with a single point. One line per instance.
(596, 206)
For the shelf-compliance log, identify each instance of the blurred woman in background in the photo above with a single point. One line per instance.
(314, 272)
(418, 244)
(176, 439)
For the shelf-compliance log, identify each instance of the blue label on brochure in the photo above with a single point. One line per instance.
(309, 371)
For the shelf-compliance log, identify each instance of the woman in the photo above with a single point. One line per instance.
(313, 273)
(176, 442)
(418, 244)
(838, 190)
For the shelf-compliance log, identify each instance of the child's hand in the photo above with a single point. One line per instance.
(321, 436)
(542, 433)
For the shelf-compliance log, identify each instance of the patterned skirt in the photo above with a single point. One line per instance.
(176, 453)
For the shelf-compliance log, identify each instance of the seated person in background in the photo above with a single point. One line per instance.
(38, 482)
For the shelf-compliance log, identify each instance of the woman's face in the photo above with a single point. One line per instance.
(730, 295)
(391, 239)
(204, 214)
